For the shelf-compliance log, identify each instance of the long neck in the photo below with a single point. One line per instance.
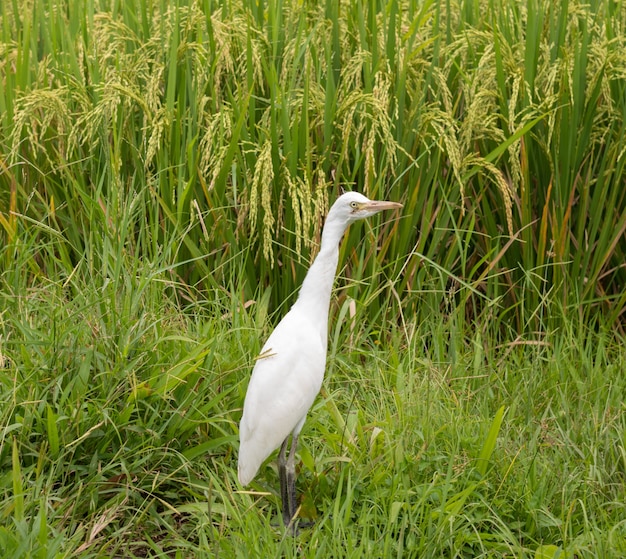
(314, 297)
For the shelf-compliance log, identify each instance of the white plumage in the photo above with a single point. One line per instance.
(281, 390)
(289, 371)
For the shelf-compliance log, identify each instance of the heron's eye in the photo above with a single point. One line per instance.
(354, 205)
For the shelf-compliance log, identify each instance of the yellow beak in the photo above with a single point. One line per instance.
(380, 205)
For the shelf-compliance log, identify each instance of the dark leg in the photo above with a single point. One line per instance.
(287, 477)
(282, 476)
(291, 479)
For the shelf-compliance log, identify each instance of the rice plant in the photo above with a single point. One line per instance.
(165, 167)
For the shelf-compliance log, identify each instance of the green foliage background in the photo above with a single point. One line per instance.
(219, 132)
(165, 168)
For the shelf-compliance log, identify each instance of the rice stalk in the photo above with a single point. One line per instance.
(41, 116)
(260, 199)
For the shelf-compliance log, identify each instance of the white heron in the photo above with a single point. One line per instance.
(289, 370)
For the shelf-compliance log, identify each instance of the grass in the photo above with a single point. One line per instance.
(165, 167)
(233, 125)
(119, 431)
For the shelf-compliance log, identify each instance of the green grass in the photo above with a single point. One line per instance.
(165, 167)
(120, 424)
(232, 126)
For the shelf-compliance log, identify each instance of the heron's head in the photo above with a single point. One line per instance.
(353, 205)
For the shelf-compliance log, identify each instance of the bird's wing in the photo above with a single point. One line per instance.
(285, 380)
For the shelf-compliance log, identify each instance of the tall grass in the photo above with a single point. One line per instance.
(232, 126)
(119, 419)
(165, 167)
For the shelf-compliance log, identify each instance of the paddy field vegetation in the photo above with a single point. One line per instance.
(165, 167)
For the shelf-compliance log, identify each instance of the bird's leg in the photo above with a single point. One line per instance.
(287, 477)
(291, 479)
(282, 476)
